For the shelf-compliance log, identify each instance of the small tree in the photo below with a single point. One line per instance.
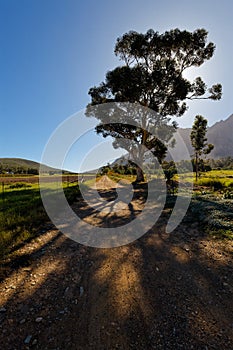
(169, 169)
(199, 140)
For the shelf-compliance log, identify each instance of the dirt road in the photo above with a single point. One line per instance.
(160, 292)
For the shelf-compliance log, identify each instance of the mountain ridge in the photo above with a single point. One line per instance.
(219, 134)
(22, 165)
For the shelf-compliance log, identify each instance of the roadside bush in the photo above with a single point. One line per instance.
(19, 185)
(228, 195)
(215, 184)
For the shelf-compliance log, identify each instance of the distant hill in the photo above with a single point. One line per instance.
(23, 166)
(220, 135)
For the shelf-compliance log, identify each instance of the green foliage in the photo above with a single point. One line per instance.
(214, 215)
(19, 185)
(221, 163)
(152, 76)
(203, 165)
(169, 169)
(220, 233)
(212, 183)
(198, 135)
(22, 167)
(18, 166)
(228, 194)
(215, 179)
(184, 166)
(22, 212)
(153, 68)
(120, 169)
(199, 140)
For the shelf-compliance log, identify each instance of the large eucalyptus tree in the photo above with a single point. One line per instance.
(152, 75)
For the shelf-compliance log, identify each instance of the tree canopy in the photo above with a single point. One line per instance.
(199, 140)
(152, 75)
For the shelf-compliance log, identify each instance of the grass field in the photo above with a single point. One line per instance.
(21, 210)
(22, 214)
(214, 179)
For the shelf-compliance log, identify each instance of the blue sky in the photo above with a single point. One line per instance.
(53, 51)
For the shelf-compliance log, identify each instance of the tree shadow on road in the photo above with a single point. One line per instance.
(163, 291)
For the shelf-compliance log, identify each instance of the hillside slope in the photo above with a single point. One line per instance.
(220, 135)
(20, 165)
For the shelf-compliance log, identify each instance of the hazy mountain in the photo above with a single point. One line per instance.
(220, 135)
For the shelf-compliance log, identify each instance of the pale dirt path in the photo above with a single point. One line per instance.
(160, 292)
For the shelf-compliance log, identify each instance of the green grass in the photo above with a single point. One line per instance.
(220, 233)
(218, 179)
(215, 216)
(22, 212)
(212, 202)
(219, 173)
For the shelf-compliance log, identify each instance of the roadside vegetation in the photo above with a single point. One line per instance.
(23, 217)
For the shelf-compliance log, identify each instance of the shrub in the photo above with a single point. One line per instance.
(228, 195)
(19, 185)
(208, 182)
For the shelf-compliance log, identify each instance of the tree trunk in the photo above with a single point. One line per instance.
(140, 175)
(196, 166)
